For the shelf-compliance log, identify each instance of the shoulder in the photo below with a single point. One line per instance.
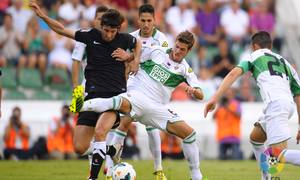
(135, 33)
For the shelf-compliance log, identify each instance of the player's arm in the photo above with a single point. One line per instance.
(134, 65)
(225, 85)
(194, 86)
(77, 57)
(53, 24)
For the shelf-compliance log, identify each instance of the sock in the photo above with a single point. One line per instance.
(102, 104)
(155, 147)
(291, 156)
(119, 137)
(99, 153)
(258, 150)
(108, 161)
(191, 153)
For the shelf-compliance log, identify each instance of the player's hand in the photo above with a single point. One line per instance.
(190, 90)
(210, 106)
(298, 137)
(33, 4)
(133, 67)
(121, 55)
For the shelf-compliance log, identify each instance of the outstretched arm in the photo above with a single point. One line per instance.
(225, 85)
(53, 24)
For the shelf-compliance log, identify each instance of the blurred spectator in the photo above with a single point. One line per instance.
(60, 53)
(131, 150)
(235, 23)
(209, 84)
(170, 146)
(263, 20)
(3, 6)
(10, 43)
(228, 122)
(71, 11)
(60, 136)
(208, 21)
(20, 15)
(180, 17)
(16, 137)
(35, 46)
(224, 61)
(180, 94)
(90, 9)
(246, 89)
(201, 59)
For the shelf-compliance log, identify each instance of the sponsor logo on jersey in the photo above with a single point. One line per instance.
(159, 74)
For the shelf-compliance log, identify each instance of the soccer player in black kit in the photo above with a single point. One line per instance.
(105, 74)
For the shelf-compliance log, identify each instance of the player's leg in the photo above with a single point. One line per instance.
(82, 139)
(155, 146)
(278, 132)
(190, 148)
(257, 140)
(104, 124)
(108, 160)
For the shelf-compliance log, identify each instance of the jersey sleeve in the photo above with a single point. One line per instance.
(83, 36)
(244, 65)
(191, 77)
(78, 51)
(131, 41)
(294, 82)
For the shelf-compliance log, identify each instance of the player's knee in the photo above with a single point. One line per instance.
(80, 148)
(100, 133)
(190, 138)
(257, 135)
(125, 106)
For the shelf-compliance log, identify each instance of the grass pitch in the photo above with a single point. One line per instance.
(174, 170)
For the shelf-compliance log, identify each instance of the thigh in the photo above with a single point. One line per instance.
(277, 116)
(258, 134)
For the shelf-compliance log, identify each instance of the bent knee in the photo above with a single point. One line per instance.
(80, 148)
(190, 138)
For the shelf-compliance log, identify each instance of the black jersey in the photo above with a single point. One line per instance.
(104, 75)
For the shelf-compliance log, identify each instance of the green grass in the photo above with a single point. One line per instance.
(174, 170)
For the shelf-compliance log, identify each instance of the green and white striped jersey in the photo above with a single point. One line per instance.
(159, 75)
(274, 75)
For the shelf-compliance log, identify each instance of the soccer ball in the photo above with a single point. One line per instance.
(123, 171)
(273, 161)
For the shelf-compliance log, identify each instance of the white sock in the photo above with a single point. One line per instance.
(258, 150)
(292, 156)
(100, 146)
(191, 153)
(155, 146)
(108, 161)
(119, 137)
(102, 104)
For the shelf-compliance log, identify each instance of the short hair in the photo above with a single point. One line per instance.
(8, 15)
(263, 39)
(187, 38)
(112, 18)
(101, 9)
(146, 8)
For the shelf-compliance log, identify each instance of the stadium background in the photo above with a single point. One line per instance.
(38, 78)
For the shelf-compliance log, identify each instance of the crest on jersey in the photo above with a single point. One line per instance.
(190, 70)
(164, 44)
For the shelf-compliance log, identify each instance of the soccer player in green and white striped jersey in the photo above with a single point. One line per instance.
(279, 87)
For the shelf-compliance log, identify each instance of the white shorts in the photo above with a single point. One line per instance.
(275, 121)
(149, 112)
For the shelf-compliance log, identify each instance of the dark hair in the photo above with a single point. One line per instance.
(112, 18)
(146, 8)
(187, 38)
(101, 9)
(8, 14)
(263, 39)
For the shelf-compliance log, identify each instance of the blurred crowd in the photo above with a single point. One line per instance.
(223, 29)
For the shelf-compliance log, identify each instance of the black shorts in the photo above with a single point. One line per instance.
(90, 118)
